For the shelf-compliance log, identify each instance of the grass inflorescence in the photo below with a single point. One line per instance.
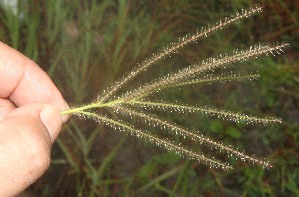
(138, 102)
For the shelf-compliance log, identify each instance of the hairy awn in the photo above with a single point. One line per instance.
(136, 104)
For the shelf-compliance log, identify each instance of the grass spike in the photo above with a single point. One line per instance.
(172, 128)
(178, 149)
(204, 66)
(211, 78)
(227, 115)
(194, 74)
(174, 47)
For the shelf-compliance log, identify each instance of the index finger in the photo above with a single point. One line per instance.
(23, 82)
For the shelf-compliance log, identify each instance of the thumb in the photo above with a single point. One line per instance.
(26, 137)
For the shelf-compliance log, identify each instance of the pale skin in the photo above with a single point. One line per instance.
(30, 120)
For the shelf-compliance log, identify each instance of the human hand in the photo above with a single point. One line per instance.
(30, 120)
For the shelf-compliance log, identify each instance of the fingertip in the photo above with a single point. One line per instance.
(51, 118)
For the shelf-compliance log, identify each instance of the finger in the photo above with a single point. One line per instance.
(24, 82)
(26, 136)
(6, 106)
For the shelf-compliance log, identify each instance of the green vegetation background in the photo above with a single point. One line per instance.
(86, 45)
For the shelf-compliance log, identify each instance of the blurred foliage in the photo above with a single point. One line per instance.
(86, 45)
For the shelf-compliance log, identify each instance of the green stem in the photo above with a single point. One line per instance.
(90, 106)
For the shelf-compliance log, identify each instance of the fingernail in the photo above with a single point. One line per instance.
(52, 120)
(65, 117)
